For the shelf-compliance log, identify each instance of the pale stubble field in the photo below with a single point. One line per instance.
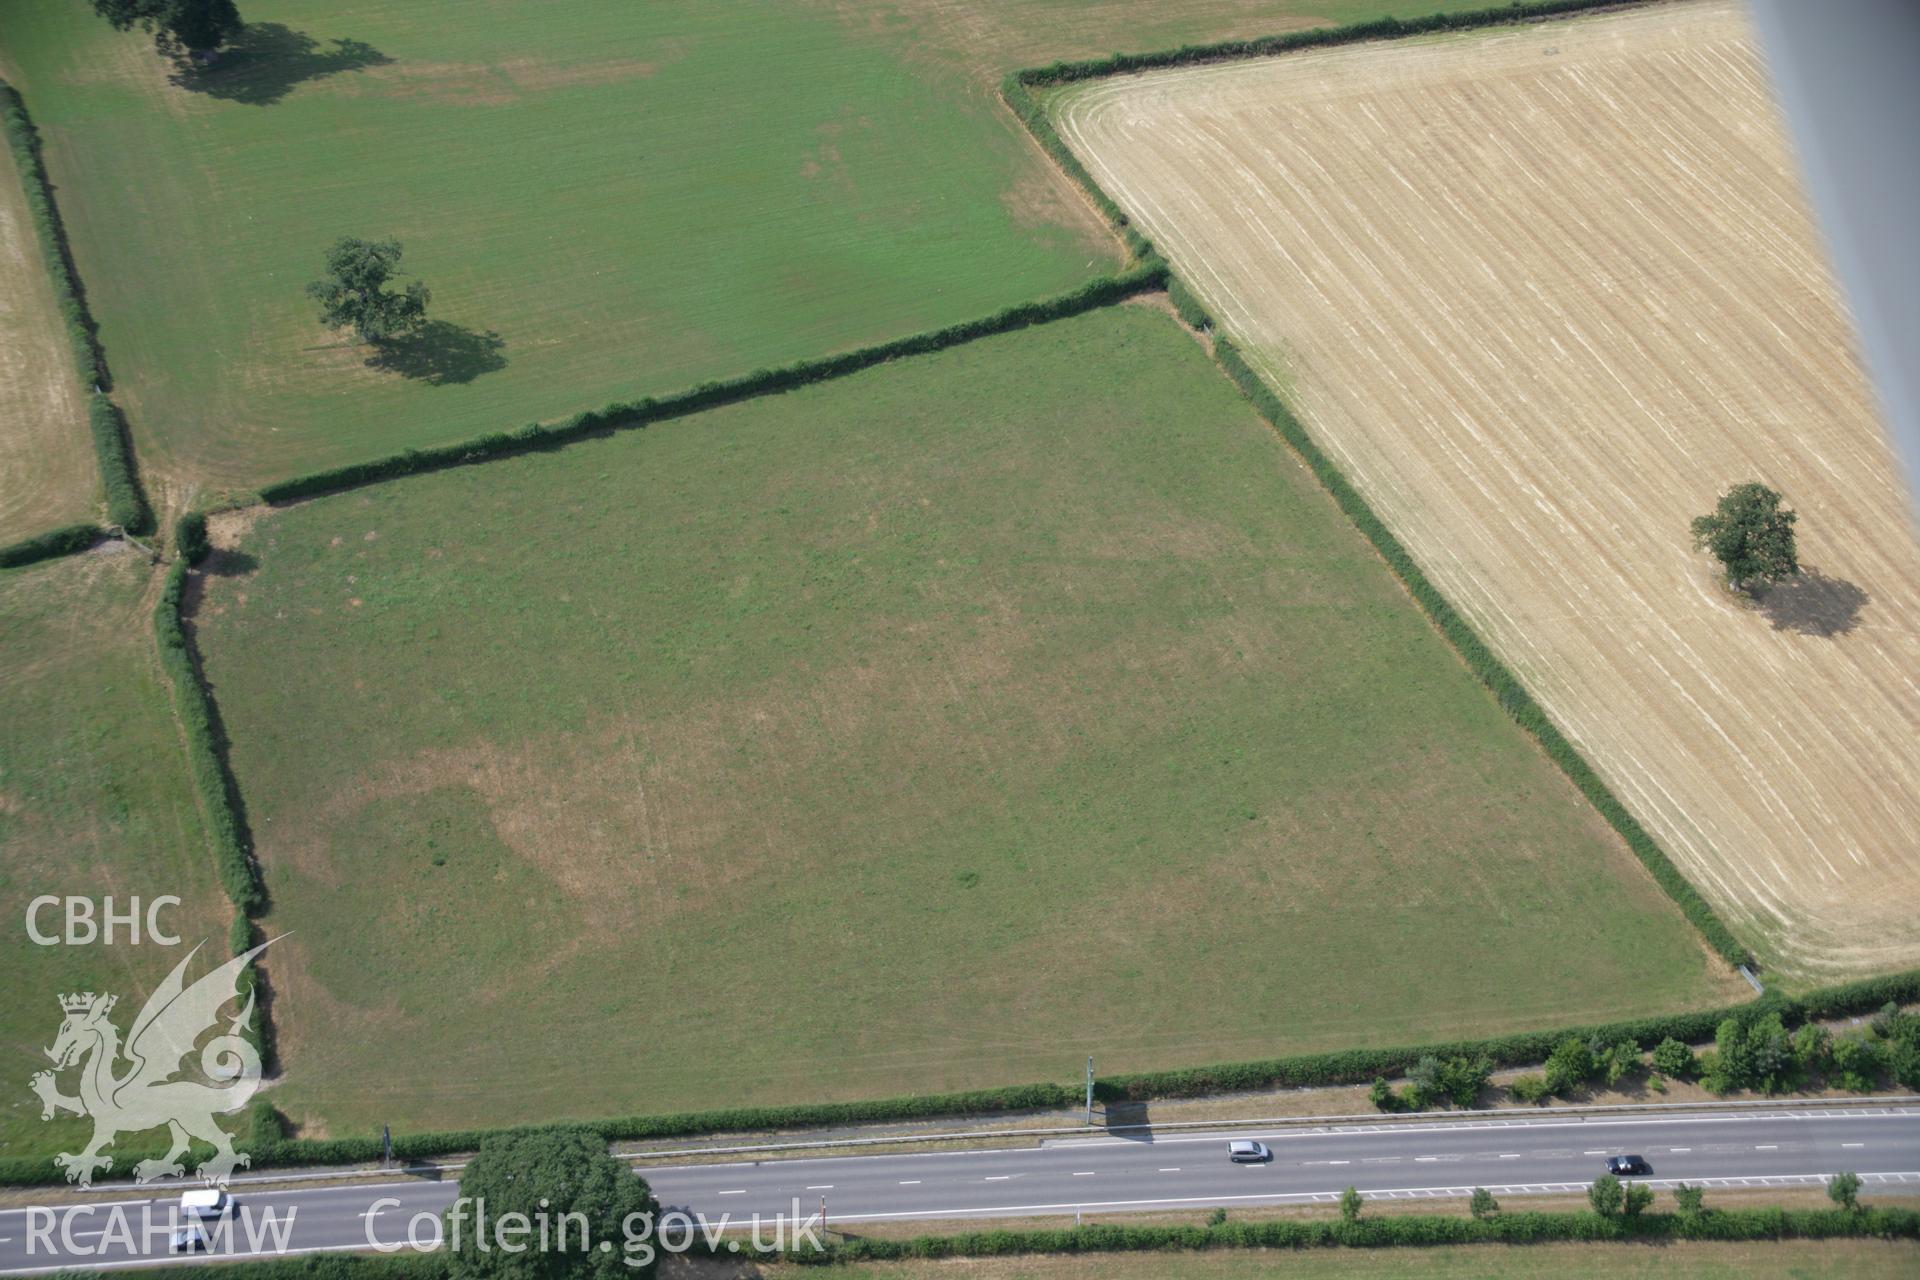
(1543, 292)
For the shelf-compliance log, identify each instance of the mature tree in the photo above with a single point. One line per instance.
(1855, 1062)
(1622, 1060)
(1569, 1065)
(1770, 1054)
(563, 1179)
(355, 291)
(1844, 1190)
(1750, 534)
(178, 26)
(1483, 1205)
(1606, 1195)
(1673, 1059)
(1639, 1199)
(1350, 1202)
(1811, 1045)
(1690, 1200)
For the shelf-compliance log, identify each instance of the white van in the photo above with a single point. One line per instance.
(207, 1202)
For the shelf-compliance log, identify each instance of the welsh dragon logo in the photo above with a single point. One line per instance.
(146, 1095)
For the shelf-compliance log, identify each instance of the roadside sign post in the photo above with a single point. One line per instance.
(1089, 1091)
(386, 1146)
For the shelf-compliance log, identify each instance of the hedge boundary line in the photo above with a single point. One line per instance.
(200, 725)
(1144, 277)
(269, 1146)
(119, 473)
(1491, 671)
(1521, 1227)
(64, 541)
(1389, 28)
(119, 477)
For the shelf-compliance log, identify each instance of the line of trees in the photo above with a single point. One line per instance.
(1754, 1052)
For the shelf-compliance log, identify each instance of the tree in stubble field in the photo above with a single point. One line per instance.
(548, 1175)
(355, 291)
(1751, 534)
(192, 27)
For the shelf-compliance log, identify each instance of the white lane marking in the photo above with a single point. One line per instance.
(1087, 1174)
(825, 1186)
(1767, 1147)
(1602, 1151)
(1853, 1144)
(1000, 1177)
(1510, 1155)
(1169, 1171)
(1425, 1159)
(1679, 1150)
(742, 1191)
(913, 1183)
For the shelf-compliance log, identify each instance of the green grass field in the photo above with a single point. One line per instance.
(927, 729)
(94, 800)
(607, 198)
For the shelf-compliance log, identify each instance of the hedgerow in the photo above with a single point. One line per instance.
(1188, 55)
(126, 504)
(1105, 291)
(199, 722)
(1190, 309)
(54, 542)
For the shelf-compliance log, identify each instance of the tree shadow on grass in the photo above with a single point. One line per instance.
(1812, 604)
(228, 562)
(441, 353)
(269, 60)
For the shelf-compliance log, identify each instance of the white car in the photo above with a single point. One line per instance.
(1246, 1151)
(207, 1202)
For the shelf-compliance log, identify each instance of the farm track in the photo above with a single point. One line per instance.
(1542, 294)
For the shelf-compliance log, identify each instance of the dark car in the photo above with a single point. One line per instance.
(1628, 1166)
